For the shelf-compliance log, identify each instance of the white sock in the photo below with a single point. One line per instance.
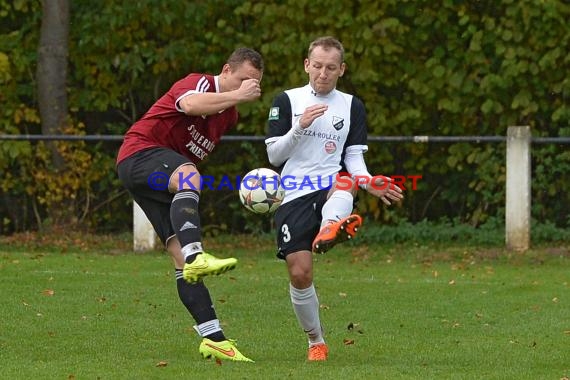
(208, 328)
(337, 207)
(191, 249)
(306, 307)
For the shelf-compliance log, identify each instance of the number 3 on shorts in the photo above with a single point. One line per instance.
(286, 234)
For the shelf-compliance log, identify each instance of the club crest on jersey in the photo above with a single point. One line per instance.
(330, 147)
(274, 113)
(338, 123)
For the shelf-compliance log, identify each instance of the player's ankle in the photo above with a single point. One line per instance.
(218, 336)
(190, 258)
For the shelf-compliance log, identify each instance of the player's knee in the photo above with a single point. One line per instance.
(301, 277)
(186, 177)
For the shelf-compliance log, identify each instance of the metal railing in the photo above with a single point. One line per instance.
(414, 139)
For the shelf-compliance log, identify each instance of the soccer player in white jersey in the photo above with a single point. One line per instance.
(317, 132)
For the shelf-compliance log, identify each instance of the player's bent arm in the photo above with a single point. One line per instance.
(209, 103)
(279, 148)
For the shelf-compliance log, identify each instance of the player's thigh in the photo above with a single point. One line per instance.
(150, 169)
(139, 172)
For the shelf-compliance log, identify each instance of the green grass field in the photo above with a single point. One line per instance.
(389, 312)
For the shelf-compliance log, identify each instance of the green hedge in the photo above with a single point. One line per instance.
(422, 68)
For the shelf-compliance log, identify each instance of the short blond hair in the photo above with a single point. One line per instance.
(327, 42)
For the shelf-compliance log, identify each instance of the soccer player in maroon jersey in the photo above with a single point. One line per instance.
(157, 164)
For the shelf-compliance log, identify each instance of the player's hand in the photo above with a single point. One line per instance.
(311, 113)
(384, 188)
(250, 89)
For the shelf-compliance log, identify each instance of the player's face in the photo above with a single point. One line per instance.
(232, 78)
(324, 68)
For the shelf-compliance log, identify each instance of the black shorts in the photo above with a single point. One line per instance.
(145, 175)
(298, 222)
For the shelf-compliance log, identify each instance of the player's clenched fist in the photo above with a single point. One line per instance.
(250, 89)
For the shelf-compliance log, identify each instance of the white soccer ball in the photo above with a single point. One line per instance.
(260, 191)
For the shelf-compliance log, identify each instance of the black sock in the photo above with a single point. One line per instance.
(218, 336)
(198, 302)
(185, 219)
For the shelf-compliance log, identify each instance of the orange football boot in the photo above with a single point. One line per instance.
(336, 232)
(318, 352)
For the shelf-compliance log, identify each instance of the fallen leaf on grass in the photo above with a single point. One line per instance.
(48, 292)
(341, 294)
(348, 341)
(352, 326)
(161, 363)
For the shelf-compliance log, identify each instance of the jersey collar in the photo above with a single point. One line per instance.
(217, 82)
(313, 92)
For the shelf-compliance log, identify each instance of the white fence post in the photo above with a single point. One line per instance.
(144, 237)
(518, 195)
